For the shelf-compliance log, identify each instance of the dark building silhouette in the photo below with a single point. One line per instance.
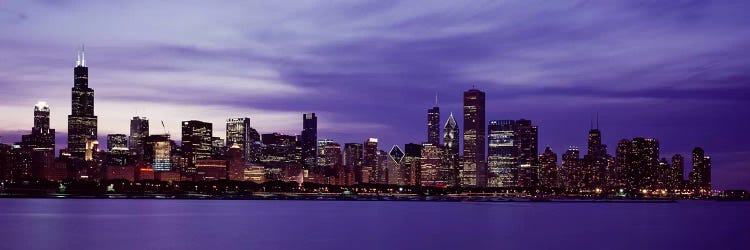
(548, 172)
(637, 162)
(279, 148)
(308, 140)
(235, 163)
(474, 168)
(527, 141)
(138, 132)
(353, 160)
(678, 172)
(700, 176)
(82, 123)
(449, 170)
(6, 162)
(433, 125)
(197, 141)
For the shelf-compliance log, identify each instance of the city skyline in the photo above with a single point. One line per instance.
(402, 117)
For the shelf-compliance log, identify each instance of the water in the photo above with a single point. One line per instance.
(217, 224)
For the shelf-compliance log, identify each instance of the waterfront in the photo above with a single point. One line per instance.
(255, 224)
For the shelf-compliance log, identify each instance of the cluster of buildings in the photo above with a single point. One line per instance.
(501, 154)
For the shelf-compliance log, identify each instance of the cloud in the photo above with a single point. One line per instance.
(371, 68)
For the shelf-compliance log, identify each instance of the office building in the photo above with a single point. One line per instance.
(474, 171)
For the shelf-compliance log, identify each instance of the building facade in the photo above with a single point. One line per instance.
(474, 171)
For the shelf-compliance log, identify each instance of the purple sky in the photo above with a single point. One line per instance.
(678, 71)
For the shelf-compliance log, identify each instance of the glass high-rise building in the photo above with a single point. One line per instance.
(370, 158)
(138, 133)
(197, 141)
(527, 141)
(433, 126)
(700, 176)
(82, 123)
(158, 152)
(241, 134)
(308, 139)
(474, 169)
(448, 171)
(502, 154)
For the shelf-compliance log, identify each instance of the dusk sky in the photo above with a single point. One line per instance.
(678, 71)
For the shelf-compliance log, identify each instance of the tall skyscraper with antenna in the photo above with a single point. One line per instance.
(82, 123)
(433, 124)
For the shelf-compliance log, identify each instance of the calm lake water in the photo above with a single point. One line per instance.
(218, 224)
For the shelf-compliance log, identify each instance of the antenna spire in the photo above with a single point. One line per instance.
(81, 61)
(436, 99)
(597, 120)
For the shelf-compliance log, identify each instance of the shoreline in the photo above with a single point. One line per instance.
(336, 197)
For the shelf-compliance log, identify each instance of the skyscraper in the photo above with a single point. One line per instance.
(309, 137)
(700, 176)
(353, 160)
(239, 133)
(475, 170)
(548, 177)
(158, 152)
(527, 142)
(394, 169)
(197, 141)
(82, 123)
(503, 152)
(41, 137)
(40, 144)
(433, 125)
(431, 163)
(412, 165)
(138, 133)
(571, 167)
(370, 156)
(235, 163)
(645, 162)
(596, 170)
(448, 172)
(678, 172)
